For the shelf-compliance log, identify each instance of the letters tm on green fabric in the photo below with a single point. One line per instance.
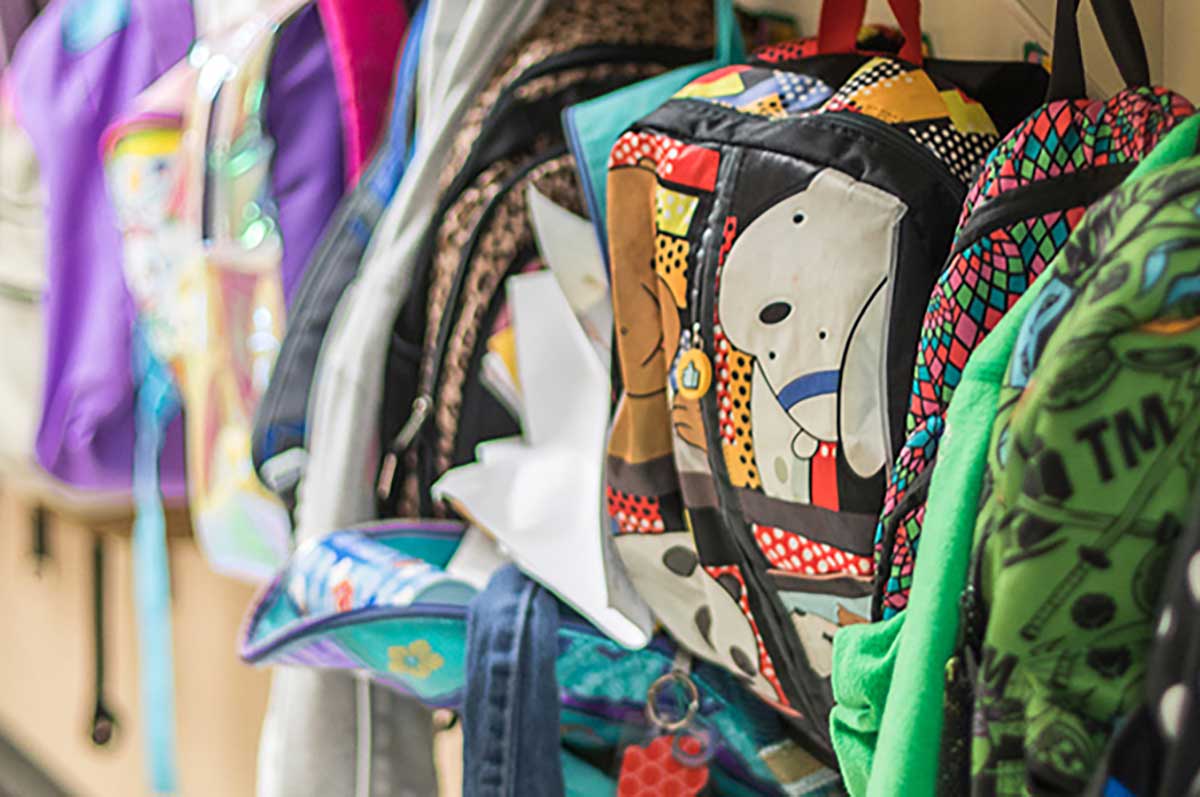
(888, 676)
(1093, 461)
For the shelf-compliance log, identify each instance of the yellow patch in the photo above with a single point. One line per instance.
(670, 263)
(968, 116)
(910, 97)
(693, 374)
(673, 211)
(770, 106)
(721, 87)
(504, 345)
(739, 454)
(148, 142)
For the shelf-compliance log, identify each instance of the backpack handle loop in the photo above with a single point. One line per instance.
(729, 46)
(841, 21)
(1119, 24)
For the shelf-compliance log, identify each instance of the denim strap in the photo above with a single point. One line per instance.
(511, 711)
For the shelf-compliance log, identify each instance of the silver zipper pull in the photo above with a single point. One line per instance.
(421, 407)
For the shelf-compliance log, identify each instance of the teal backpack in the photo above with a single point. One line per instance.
(380, 599)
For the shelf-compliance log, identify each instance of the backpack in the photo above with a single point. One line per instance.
(279, 423)
(194, 179)
(387, 599)
(190, 173)
(85, 433)
(1029, 195)
(763, 388)
(440, 400)
(1091, 471)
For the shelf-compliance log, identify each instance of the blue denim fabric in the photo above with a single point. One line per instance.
(510, 711)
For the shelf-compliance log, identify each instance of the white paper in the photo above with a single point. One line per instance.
(541, 495)
(568, 245)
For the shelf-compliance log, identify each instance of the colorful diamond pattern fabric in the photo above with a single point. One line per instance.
(988, 275)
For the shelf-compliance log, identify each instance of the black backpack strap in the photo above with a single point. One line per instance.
(1119, 24)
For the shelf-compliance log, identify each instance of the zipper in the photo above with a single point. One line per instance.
(578, 58)
(875, 128)
(774, 615)
(868, 126)
(422, 406)
(449, 319)
(759, 592)
(1037, 199)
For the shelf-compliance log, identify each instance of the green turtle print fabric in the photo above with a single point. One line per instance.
(1028, 197)
(774, 233)
(1092, 466)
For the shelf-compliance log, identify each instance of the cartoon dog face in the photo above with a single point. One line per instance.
(701, 612)
(804, 292)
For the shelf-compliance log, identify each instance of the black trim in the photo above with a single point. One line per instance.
(1119, 24)
(1072, 190)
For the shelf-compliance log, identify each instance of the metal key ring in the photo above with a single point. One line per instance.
(693, 705)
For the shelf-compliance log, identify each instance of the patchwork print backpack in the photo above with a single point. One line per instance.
(774, 232)
(441, 399)
(1030, 194)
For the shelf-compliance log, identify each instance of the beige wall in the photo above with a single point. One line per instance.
(46, 687)
(999, 29)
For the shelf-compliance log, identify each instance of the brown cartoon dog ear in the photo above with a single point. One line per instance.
(688, 421)
(642, 427)
(636, 301)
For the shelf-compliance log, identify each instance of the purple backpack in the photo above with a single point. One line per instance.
(76, 70)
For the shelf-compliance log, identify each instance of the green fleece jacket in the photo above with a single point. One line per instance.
(888, 677)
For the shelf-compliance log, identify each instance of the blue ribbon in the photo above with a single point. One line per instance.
(157, 404)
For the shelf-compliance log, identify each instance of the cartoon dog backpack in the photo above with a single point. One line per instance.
(1029, 195)
(774, 231)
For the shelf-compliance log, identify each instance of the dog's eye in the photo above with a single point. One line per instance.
(798, 217)
(775, 312)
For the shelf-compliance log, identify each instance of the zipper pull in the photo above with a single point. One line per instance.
(421, 407)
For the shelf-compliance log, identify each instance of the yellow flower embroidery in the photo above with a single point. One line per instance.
(417, 660)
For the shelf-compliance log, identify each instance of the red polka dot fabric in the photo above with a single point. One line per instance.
(635, 514)
(795, 553)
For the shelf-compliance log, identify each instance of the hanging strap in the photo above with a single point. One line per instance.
(729, 47)
(1119, 24)
(157, 404)
(841, 21)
